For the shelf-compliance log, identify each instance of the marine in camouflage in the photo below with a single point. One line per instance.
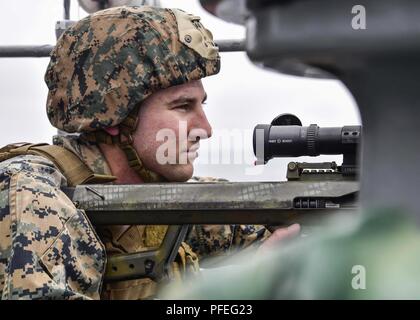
(101, 70)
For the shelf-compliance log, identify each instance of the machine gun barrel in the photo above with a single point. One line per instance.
(269, 203)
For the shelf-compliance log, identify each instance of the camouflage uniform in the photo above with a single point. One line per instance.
(100, 71)
(48, 249)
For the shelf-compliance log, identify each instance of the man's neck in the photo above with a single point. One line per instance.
(119, 166)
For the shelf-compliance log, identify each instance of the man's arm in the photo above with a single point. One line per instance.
(49, 250)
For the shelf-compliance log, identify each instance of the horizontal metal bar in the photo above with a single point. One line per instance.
(211, 203)
(231, 45)
(25, 51)
(221, 217)
(28, 51)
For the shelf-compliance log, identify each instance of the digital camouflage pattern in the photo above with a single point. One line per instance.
(214, 240)
(48, 249)
(109, 62)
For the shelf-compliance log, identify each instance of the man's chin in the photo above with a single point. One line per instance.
(178, 173)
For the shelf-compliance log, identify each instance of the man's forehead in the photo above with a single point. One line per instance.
(186, 92)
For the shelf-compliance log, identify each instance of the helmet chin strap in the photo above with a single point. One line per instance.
(136, 164)
(127, 128)
(124, 140)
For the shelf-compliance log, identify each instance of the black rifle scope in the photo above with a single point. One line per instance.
(285, 137)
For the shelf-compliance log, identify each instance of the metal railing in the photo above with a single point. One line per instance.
(41, 51)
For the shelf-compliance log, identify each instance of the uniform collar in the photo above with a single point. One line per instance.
(88, 152)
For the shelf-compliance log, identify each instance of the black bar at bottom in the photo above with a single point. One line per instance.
(244, 216)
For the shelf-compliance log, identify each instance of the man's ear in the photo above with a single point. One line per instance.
(113, 131)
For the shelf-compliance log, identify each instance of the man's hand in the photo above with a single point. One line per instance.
(280, 236)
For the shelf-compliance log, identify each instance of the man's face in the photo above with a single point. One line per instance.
(170, 121)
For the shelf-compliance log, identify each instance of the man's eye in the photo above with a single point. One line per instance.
(183, 107)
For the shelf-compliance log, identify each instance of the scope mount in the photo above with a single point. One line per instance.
(319, 171)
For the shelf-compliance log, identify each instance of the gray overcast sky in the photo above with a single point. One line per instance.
(240, 96)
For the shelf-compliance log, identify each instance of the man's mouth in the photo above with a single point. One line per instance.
(192, 152)
(193, 148)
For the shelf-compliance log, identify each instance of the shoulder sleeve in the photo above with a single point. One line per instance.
(54, 252)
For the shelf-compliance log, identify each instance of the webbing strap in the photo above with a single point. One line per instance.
(135, 162)
(66, 161)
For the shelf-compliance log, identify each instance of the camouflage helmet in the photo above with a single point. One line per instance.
(109, 62)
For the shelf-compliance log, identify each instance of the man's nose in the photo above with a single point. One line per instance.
(201, 122)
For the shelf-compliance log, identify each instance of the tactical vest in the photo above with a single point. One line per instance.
(76, 173)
